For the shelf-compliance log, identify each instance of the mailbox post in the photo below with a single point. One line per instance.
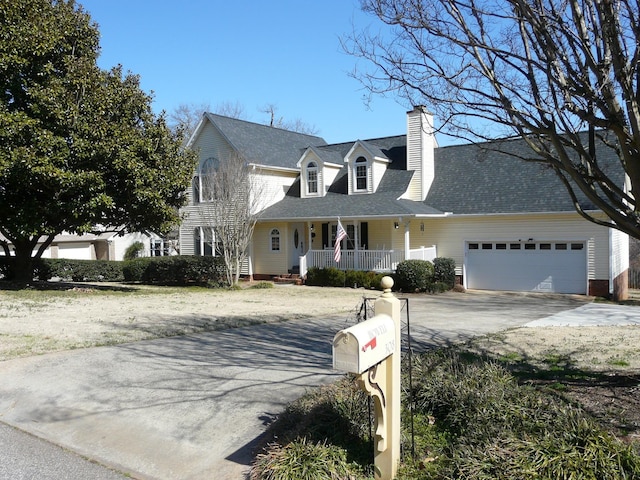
(371, 349)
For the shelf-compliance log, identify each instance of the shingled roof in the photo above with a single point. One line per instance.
(262, 144)
(478, 179)
(472, 179)
(337, 202)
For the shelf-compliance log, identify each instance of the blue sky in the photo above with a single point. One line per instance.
(281, 52)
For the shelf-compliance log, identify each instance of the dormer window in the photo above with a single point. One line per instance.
(312, 178)
(361, 173)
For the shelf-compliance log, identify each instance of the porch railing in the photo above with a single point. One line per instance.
(423, 253)
(366, 260)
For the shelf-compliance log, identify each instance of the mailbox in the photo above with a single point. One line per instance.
(360, 347)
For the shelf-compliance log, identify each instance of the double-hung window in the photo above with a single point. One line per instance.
(312, 178)
(361, 174)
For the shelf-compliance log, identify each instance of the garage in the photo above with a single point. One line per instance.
(558, 267)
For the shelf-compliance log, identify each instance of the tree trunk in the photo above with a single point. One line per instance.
(23, 265)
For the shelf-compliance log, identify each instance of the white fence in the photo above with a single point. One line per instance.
(366, 260)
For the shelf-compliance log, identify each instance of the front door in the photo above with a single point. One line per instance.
(297, 240)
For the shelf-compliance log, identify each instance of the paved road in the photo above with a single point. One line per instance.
(194, 407)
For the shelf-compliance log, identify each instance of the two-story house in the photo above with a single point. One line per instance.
(508, 224)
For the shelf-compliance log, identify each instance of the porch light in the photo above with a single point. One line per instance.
(312, 228)
(396, 225)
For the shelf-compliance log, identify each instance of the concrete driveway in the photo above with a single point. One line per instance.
(194, 407)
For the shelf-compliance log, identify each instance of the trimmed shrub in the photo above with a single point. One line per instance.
(45, 269)
(414, 276)
(325, 277)
(178, 270)
(79, 270)
(332, 277)
(444, 271)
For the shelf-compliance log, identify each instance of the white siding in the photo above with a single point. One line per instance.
(271, 185)
(619, 253)
(451, 233)
(414, 157)
(329, 174)
(420, 153)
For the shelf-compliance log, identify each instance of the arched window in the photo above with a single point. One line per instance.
(195, 189)
(312, 178)
(275, 240)
(206, 179)
(361, 173)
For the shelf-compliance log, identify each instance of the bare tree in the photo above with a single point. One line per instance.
(231, 109)
(545, 70)
(187, 116)
(296, 125)
(234, 195)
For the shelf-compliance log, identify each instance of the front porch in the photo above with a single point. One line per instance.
(365, 260)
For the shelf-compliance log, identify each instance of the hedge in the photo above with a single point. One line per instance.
(424, 276)
(45, 269)
(178, 270)
(333, 277)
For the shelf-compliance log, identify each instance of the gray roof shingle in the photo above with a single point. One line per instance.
(469, 179)
(474, 179)
(262, 144)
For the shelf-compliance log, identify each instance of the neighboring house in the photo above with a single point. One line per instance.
(103, 246)
(508, 224)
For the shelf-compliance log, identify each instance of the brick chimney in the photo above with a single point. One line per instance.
(420, 150)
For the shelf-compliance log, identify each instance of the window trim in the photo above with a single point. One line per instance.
(312, 168)
(274, 238)
(361, 163)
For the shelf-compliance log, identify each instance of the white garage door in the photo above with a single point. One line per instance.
(559, 267)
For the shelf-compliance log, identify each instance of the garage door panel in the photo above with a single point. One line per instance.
(548, 270)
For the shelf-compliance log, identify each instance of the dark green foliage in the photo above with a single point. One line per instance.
(336, 415)
(304, 460)
(414, 276)
(473, 421)
(178, 270)
(326, 277)
(81, 270)
(359, 278)
(79, 145)
(133, 251)
(444, 271)
(332, 277)
(498, 429)
(45, 269)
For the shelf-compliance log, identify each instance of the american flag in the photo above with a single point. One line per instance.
(340, 234)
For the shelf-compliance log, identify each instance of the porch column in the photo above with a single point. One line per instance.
(356, 240)
(407, 240)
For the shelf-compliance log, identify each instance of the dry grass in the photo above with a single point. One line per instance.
(34, 322)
